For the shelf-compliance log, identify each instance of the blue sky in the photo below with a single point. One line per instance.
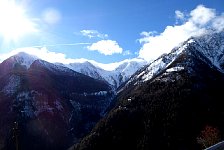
(76, 27)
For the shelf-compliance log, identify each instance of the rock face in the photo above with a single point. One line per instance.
(166, 104)
(54, 106)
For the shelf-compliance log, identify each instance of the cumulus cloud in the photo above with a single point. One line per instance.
(196, 23)
(51, 16)
(93, 33)
(106, 47)
(202, 15)
(145, 36)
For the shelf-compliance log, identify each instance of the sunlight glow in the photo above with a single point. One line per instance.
(13, 21)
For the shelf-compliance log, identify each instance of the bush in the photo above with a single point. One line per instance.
(208, 136)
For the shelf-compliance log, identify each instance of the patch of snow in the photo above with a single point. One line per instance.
(12, 86)
(174, 69)
(100, 93)
(153, 69)
(211, 46)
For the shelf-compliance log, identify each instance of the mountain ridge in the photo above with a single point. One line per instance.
(163, 62)
(114, 77)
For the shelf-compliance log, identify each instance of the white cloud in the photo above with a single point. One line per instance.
(179, 15)
(202, 15)
(145, 36)
(43, 53)
(106, 47)
(51, 16)
(93, 34)
(197, 23)
(218, 23)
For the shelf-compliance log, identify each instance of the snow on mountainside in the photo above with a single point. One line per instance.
(212, 46)
(209, 47)
(86, 68)
(19, 60)
(115, 77)
(158, 65)
(12, 85)
(127, 69)
(23, 59)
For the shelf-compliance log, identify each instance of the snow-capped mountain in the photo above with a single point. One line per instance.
(211, 45)
(114, 77)
(87, 68)
(128, 68)
(23, 59)
(208, 47)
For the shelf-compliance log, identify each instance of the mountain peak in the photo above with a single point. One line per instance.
(23, 59)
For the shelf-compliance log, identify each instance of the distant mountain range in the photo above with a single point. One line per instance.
(168, 103)
(115, 77)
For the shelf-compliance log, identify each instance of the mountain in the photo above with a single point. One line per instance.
(22, 58)
(209, 49)
(53, 106)
(168, 103)
(114, 77)
(128, 68)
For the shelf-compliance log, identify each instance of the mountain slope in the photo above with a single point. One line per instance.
(167, 104)
(54, 106)
(209, 48)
